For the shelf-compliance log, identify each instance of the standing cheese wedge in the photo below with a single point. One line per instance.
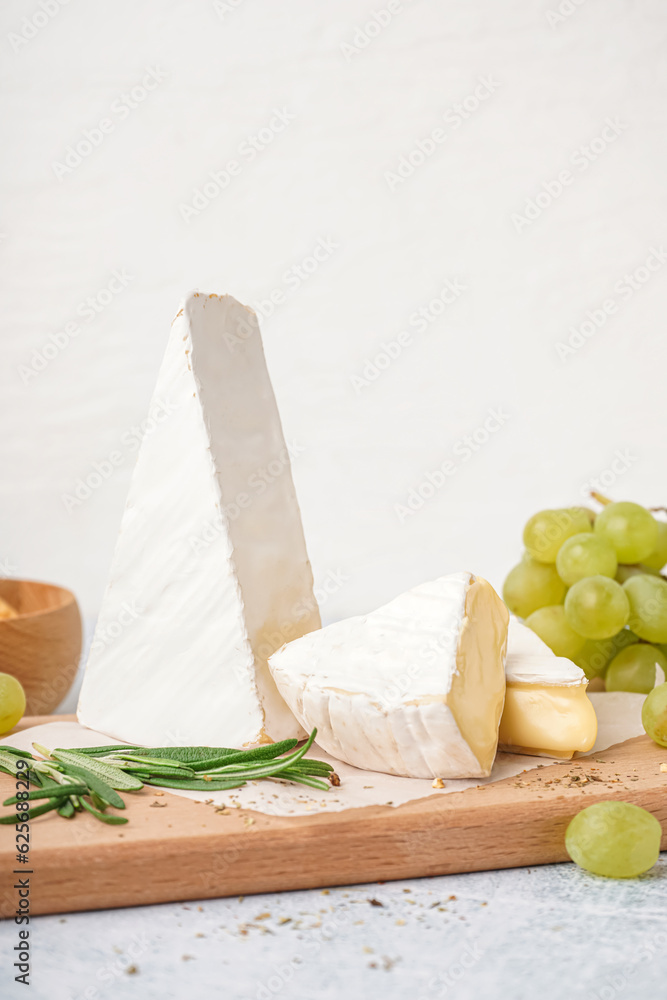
(210, 574)
(547, 712)
(415, 688)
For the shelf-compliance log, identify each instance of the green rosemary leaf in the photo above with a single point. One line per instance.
(57, 791)
(15, 752)
(104, 817)
(119, 761)
(195, 784)
(169, 772)
(265, 752)
(8, 763)
(313, 767)
(112, 775)
(96, 784)
(67, 809)
(266, 770)
(103, 751)
(300, 778)
(186, 755)
(38, 811)
(98, 801)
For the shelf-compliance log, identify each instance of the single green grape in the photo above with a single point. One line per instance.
(531, 585)
(596, 607)
(658, 557)
(585, 555)
(654, 715)
(546, 531)
(597, 654)
(647, 595)
(629, 528)
(550, 624)
(615, 839)
(633, 669)
(12, 702)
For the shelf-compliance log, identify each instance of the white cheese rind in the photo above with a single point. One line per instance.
(531, 661)
(210, 573)
(377, 686)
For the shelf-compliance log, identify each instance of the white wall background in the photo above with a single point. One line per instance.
(357, 111)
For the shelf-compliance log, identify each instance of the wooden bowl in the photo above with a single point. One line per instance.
(41, 646)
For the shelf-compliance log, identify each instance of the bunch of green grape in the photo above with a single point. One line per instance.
(590, 587)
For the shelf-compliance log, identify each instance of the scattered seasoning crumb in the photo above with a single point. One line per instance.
(400, 922)
(284, 920)
(132, 970)
(248, 821)
(451, 897)
(663, 768)
(159, 805)
(187, 958)
(263, 916)
(367, 950)
(375, 902)
(241, 898)
(158, 793)
(438, 783)
(334, 779)
(325, 892)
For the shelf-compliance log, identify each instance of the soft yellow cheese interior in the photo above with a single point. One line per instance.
(547, 720)
(478, 685)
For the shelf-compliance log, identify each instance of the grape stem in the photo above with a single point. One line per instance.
(600, 499)
(661, 509)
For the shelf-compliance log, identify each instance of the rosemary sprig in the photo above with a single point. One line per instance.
(89, 778)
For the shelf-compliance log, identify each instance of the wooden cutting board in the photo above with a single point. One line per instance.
(183, 850)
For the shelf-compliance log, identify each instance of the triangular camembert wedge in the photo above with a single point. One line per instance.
(210, 574)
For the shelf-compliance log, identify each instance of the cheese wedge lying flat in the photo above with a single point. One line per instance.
(415, 688)
(547, 712)
(210, 574)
